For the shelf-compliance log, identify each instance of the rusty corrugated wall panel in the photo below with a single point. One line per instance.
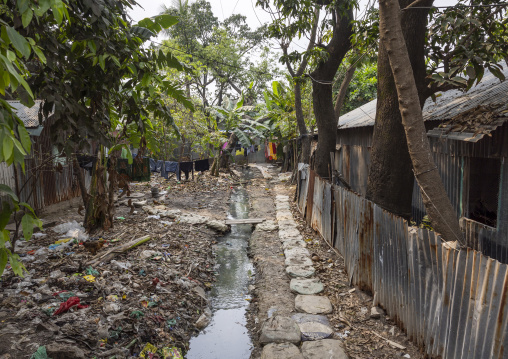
(316, 217)
(303, 176)
(42, 185)
(453, 303)
(327, 221)
(310, 195)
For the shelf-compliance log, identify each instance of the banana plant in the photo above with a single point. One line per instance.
(242, 121)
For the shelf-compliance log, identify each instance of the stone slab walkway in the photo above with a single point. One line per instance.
(304, 335)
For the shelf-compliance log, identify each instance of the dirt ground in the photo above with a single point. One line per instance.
(153, 293)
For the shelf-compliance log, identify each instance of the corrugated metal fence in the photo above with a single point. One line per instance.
(453, 303)
(41, 187)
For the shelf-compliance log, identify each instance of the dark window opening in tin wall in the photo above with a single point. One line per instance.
(485, 174)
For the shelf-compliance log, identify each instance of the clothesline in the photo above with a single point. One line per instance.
(166, 167)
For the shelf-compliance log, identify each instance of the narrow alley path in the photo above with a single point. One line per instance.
(303, 306)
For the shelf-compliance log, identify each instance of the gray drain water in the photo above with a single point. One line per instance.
(227, 336)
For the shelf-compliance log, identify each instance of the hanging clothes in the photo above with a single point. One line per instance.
(271, 151)
(159, 165)
(170, 167)
(153, 165)
(186, 167)
(202, 165)
(240, 152)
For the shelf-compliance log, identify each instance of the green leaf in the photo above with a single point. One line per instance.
(142, 32)
(92, 46)
(26, 17)
(166, 20)
(9, 191)
(28, 222)
(8, 147)
(17, 265)
(3, 259)
(497, 73)
(115, 60)
(178, 95)
(27, 206)
(275, 88)
(5, 215)
(102, 62)
(240, 102)
(18, 41)
(129, 155)
(39, 54)
(24, 136)
(23, 5)
(460, 80)
(58, 12)
(242, 137)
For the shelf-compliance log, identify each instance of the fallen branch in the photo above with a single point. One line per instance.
(120, 249)
(393, 344)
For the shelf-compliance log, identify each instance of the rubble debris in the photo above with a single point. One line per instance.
(64, 351)
(115, 302)
(392, 343)
(123, 248)
(376, 312)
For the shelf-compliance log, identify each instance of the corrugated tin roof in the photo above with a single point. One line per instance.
(359, 117)
(29, 115)
(451, 103)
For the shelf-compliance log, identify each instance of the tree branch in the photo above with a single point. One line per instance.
(236, 88)
(414, 4)
(341, 96)
(311, 44)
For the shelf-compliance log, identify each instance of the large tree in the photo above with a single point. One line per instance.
(322, 78)
(436, 201)
(218, 52)
(98, 69)
(440, 47)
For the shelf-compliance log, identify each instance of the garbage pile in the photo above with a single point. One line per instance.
(137, 291)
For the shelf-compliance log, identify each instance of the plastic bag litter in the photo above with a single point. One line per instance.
(172, 353)
(148, 351)
(72, 229)
(40, 353)
(39, 235)
(154, 217)
(121, 265)
(71, 302)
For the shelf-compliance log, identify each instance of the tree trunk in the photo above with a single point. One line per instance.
(96, 210)
(224, 158)
(390, 181)
(113, 186)
(297, 81)
(341, 96)
(322, 78)
(81, 181)
(300, 120)
(436, 201)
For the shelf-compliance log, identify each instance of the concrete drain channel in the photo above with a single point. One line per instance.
(227, 336)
